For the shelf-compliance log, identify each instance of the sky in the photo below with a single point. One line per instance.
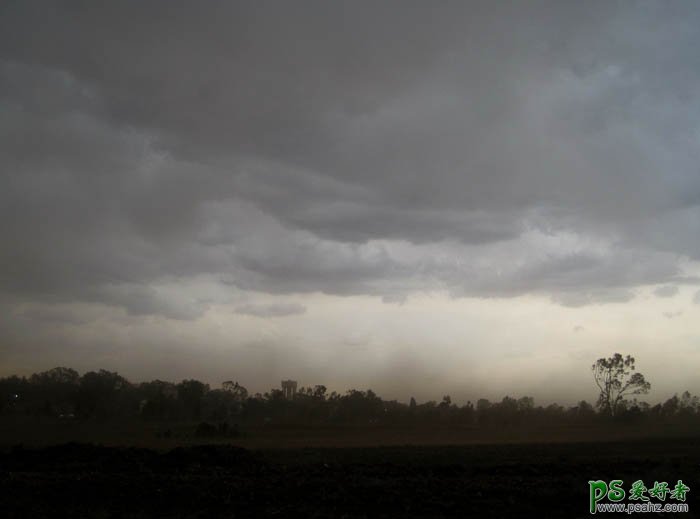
(468, 198)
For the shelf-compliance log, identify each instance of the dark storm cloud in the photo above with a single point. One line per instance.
(347, 148)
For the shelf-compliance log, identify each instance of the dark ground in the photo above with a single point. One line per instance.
(540, 480)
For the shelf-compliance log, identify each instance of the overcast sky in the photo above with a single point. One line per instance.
(473, 198)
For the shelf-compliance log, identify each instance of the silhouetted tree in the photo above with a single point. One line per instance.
(189, 395)
(446, 402)
(58, 388)
(105, 394)
(320, 392)
(615, 379)
(583, 411)
(157, 400)
(239, 392)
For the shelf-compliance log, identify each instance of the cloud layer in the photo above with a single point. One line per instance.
(485, 150)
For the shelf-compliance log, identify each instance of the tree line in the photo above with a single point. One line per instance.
(63, 393)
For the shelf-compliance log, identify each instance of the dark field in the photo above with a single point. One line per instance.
(217, 480)
(37, 432)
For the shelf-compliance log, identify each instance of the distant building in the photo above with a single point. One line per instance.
(289, 388)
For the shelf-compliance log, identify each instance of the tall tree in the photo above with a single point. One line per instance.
(238, 391)
(615, 379)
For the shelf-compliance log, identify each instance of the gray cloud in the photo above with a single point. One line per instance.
(396, 299)
(600, 296)
(53, 315)
(696, 298)
(272, 309)
(546, 148)
(666, 291)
